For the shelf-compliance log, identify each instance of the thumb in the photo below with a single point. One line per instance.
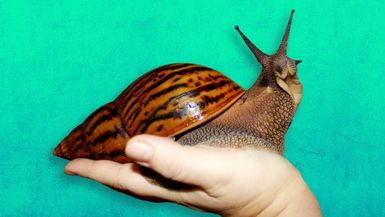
(194, 165)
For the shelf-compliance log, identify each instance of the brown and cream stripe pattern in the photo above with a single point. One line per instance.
(166, 101)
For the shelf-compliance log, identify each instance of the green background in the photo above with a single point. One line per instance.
(60, 60)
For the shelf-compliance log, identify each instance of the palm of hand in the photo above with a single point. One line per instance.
(231, 182)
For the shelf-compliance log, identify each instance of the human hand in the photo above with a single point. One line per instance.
(230, 182)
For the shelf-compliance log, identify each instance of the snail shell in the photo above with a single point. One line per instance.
(196, 105)
(166, 101)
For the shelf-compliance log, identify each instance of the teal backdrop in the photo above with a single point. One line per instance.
(60, 60)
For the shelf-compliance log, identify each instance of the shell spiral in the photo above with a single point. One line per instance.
(166, 101)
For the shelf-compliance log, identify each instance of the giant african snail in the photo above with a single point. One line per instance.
(196, 105)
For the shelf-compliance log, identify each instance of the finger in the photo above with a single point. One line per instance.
(194, 165)
(106, 172)
(122, 177)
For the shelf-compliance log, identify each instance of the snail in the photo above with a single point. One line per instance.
(195, 104)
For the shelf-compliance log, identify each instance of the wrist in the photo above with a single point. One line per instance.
(293, 199)
(299, 201)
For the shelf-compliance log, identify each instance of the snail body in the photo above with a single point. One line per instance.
(195, 105)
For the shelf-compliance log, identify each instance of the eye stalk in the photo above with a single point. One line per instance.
(283, 46)
(279, 68)
(261, 56)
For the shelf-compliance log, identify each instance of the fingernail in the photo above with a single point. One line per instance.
(139, 150)
(69, 173)
(70, 170)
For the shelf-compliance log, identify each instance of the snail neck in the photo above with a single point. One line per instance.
(265, 80)
(266, 109)
(268, 112)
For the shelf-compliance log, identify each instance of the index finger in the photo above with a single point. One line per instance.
(124, 177)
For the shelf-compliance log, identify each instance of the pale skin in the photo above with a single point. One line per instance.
(230, 182)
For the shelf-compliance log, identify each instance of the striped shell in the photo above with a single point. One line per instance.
(166, 101)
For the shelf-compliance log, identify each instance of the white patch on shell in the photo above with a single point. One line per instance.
(193, 110)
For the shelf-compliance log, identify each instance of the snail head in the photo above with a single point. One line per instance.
(279, 68)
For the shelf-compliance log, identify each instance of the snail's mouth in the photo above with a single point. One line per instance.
(295, 87)
(291, 84)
